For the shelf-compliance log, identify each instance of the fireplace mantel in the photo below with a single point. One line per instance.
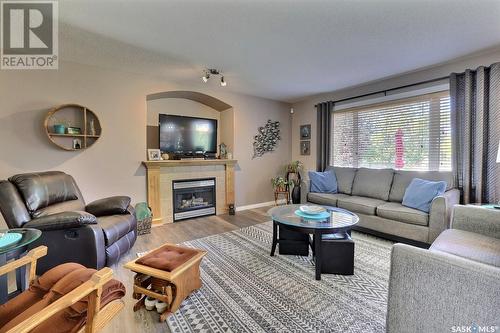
(187, 162)
(155, 168)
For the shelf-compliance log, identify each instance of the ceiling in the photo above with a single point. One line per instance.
(278, 49)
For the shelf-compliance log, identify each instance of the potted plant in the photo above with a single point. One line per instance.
(294, 167)
(293, 177)
(279, 184)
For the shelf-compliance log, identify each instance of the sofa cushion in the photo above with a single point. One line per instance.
(70, 205)
(326, 199)
(373, 183)
(43, 189)
(397, 212)
(376, 223)
(116, 226)
(469, 245)
(361, 205)
(62, 221)
(345, 178)
(323, 182)
(403, 178)
(420, 193)
(72, 318)
(17, 305)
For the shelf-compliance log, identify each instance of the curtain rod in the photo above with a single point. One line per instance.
(387, 90)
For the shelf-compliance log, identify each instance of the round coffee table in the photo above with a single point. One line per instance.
(340, 222)
(15, 251)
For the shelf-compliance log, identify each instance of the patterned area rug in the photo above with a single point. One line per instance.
(247, 290)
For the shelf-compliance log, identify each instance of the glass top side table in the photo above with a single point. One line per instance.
(15, 251)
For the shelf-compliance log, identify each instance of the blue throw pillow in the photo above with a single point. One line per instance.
(323, 182)
(420, 193)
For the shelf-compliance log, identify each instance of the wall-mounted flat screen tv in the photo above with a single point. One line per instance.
(187, 135)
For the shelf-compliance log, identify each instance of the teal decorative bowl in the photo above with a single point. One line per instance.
(59, 129)
(9, 239)
(320, 216)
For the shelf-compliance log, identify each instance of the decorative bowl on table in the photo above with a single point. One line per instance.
(9, 238)
(312, 209)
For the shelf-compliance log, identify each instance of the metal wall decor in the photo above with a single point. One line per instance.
(267, 138)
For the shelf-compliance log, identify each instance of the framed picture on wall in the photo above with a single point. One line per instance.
(77, 144)
(305, 148)
(154, 155)
(305, 132)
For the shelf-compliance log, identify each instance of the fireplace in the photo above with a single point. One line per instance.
(193, 198)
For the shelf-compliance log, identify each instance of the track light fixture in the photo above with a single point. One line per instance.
(211, 71)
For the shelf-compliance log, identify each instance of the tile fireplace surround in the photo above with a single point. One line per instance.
(161, 174)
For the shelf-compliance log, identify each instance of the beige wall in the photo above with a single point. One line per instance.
(253, 176)
(227, 126)
(112, 166)
(305, 112)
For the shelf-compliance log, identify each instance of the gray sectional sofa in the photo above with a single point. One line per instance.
(375, 195)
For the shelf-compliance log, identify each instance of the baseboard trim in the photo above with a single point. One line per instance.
(259, 205)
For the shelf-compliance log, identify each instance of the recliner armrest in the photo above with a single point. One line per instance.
(131, 210)
(475, 219)
(423, 289)
(109, 206)
(64, 220)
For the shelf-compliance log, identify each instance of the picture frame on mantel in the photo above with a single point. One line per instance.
(154, 155)
(305, 132)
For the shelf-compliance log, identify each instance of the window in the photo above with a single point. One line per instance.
(408, 134)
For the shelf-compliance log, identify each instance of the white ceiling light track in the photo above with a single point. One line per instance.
(213, 72)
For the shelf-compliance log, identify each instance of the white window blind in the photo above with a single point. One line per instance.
(409, 134)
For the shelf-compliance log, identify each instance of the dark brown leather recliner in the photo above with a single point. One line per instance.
(94, 235)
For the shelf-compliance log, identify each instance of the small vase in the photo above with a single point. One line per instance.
(59, 129)
(296, 194)
(92, 127)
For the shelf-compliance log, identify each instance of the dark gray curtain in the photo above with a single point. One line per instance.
(475, 121)
(324, 121)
